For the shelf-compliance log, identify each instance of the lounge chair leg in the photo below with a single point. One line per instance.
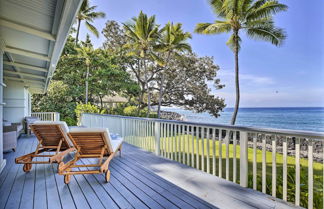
(67, 179)
(107, 175)
(27, 167)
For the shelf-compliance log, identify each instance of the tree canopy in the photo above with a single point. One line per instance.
(149, 64)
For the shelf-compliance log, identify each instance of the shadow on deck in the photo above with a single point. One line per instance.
(139, 179)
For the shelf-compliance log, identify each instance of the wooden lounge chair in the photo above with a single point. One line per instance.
(91, 143)
(52, 137)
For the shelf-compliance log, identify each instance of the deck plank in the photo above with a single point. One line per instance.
(111, 191)
(10, 158)
(139, 179)
(18, 185)
(151, 203)
(89, 194)
(77, 194)
(9, 178)
(40, 196)
(181, 199)
(27, 197)
(67, 201)
(104, 197)
(219, 192)
(148, 190)
(135, 202)
(149, 182)
(53, 200)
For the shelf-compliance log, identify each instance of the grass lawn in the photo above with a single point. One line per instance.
(179, 148)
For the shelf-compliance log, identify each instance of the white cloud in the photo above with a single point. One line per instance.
(261, 91)
(245, 78)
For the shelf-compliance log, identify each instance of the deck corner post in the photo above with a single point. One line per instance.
(244, 159)
(157, 137)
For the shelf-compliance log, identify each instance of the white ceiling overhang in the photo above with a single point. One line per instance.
(34, 33)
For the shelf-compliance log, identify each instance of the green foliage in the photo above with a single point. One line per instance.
(86, 108)
(57, 99)
(178, 77)
(130, 111)
(133, 111)
(254, 17)
(88, 14)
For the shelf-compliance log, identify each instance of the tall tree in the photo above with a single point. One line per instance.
(88, 14)
(255, 17)
(143, 34)
(85, 53)
(188, 84)
(172, 42)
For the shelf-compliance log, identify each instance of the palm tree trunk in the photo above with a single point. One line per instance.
(160, 96)
(148, 90)
(101, 104)
(87, 83)
(161, 86)
(78, 31)
(237, 82)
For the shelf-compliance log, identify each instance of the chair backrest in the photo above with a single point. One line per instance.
(90, 141)
(51, 132)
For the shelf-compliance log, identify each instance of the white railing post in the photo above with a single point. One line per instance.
(244, 159)
(123, 128)
(157, 137)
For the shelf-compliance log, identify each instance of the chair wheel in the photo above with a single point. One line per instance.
(107, 176)
(27, 167)
(67, 179)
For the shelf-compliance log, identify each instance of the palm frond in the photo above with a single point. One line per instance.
(95, 15)
(213, 28)
(92, 28)
(244, 6)
(271, 34)
(157, 59)
(217, 6)
(265, 10)
(266, 21)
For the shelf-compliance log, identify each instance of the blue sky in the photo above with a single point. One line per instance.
(288, 76)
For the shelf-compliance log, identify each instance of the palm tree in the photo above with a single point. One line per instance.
(85, 53)
(143, 34)
(251, 16)
(173, 41)
(88, 14)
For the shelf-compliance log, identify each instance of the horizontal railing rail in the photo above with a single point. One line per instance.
(287, 164)
(47, 116)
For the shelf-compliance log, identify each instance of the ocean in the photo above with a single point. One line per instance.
(296, 118)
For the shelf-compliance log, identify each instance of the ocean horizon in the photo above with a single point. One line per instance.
(295, 118)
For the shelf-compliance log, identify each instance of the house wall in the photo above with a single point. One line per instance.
(17, 102)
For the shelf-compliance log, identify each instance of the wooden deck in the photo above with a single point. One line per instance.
(139, 179)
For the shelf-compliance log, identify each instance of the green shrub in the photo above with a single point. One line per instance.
(130, 111)
(133, 111)
(86, 108)
(69, 121)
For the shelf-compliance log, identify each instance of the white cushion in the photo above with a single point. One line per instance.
(63, 124)
(116, 143)
(112, 144)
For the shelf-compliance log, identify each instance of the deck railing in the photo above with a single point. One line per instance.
(47, 116)
(286, 164)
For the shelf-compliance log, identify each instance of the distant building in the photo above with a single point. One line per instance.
(110, 101)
